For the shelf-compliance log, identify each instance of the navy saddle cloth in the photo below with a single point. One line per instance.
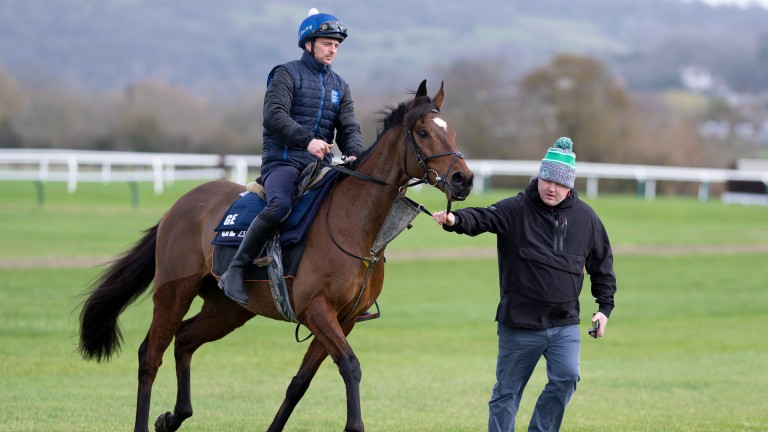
(293, 230)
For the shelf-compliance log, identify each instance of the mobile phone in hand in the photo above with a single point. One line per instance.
(595, 327)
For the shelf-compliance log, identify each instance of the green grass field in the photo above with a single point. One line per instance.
(685, 349)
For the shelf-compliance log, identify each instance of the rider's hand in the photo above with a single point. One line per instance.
(319, 148)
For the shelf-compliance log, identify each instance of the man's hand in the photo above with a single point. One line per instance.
(443, 217)
(319, 148)
(603, 322)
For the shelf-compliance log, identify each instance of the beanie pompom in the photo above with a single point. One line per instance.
(564, 143)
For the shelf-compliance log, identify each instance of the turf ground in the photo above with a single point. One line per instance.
(685, 349)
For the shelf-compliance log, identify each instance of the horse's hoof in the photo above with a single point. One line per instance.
(160, 423)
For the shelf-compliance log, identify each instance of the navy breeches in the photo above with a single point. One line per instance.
(280, 187)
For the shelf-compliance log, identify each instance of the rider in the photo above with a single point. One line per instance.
(305, 105)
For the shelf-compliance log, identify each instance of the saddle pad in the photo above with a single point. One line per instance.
(238, 218)
(223, 255)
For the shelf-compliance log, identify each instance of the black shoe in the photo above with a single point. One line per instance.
(232, 284)
(257, 236)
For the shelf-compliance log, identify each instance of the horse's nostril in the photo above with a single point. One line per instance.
(461, 179)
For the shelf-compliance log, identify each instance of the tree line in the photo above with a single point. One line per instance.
(495, 117)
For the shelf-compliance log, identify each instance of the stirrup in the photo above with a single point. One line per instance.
(369, 315)
(263, 261)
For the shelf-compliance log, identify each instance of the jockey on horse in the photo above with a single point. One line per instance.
(306, 104)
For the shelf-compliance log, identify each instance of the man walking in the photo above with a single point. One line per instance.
(546, 237)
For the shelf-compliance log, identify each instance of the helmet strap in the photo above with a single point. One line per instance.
(312, 47)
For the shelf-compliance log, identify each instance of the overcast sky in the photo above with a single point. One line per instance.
(763, 3)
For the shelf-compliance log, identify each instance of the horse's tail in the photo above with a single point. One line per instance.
(127, 277)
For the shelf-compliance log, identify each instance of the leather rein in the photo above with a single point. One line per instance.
(421, 159)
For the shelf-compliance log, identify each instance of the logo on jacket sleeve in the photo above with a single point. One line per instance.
(335, 97)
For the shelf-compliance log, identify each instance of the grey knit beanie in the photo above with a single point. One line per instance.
(559, 164)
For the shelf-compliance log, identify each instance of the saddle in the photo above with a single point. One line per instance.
(285, 249)
(313, 185)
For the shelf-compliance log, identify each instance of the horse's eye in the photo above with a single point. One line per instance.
(422, 133)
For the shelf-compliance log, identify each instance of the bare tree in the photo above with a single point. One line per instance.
(61, 117)
(577, 97)
(12, 97)
(157, 116)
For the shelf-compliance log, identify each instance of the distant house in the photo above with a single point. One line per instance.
(696, 78)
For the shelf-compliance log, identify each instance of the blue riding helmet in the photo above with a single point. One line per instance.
(321, 25)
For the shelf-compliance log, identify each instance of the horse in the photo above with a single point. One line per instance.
(332, 282)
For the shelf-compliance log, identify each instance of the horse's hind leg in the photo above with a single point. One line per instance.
(330, 338)
(172, 301)
(217, 318)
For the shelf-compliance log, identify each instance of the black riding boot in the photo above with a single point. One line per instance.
(255, 239)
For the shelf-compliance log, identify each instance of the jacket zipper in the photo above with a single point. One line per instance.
(561, 230)
(322, 103)
(554, 237)
(564, 230)
(319, 114)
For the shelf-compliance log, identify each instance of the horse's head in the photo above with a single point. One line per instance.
(431, 153)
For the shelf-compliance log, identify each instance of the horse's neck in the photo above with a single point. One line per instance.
(386, 160)
(364, 204)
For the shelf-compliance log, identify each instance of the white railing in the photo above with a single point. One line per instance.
(74, 166)
(77, 166)
(647, 175)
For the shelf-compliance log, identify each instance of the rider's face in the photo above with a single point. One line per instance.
(325, 49)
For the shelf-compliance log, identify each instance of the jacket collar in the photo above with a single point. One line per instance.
(314, 64)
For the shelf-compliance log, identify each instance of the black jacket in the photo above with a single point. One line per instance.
(542, 254)
(306, 99)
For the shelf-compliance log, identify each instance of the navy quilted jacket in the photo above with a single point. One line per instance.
(306, 99)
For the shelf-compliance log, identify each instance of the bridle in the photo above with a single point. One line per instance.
(421, 159)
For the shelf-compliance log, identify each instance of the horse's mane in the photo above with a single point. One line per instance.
(405, 114)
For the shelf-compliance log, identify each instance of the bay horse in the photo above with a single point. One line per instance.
(331, 283)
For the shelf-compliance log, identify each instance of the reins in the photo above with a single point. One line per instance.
(353, 173)
(374, 256)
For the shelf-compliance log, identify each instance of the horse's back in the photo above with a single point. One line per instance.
(186, 230)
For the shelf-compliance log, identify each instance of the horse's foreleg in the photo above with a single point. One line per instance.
(322, 319)
(313, 358)
(217, 318)
(352, 374)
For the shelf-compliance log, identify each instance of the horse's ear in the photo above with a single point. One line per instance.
(438, 99)
(422, 91)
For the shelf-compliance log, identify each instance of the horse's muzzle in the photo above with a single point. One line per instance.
(459, 186)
